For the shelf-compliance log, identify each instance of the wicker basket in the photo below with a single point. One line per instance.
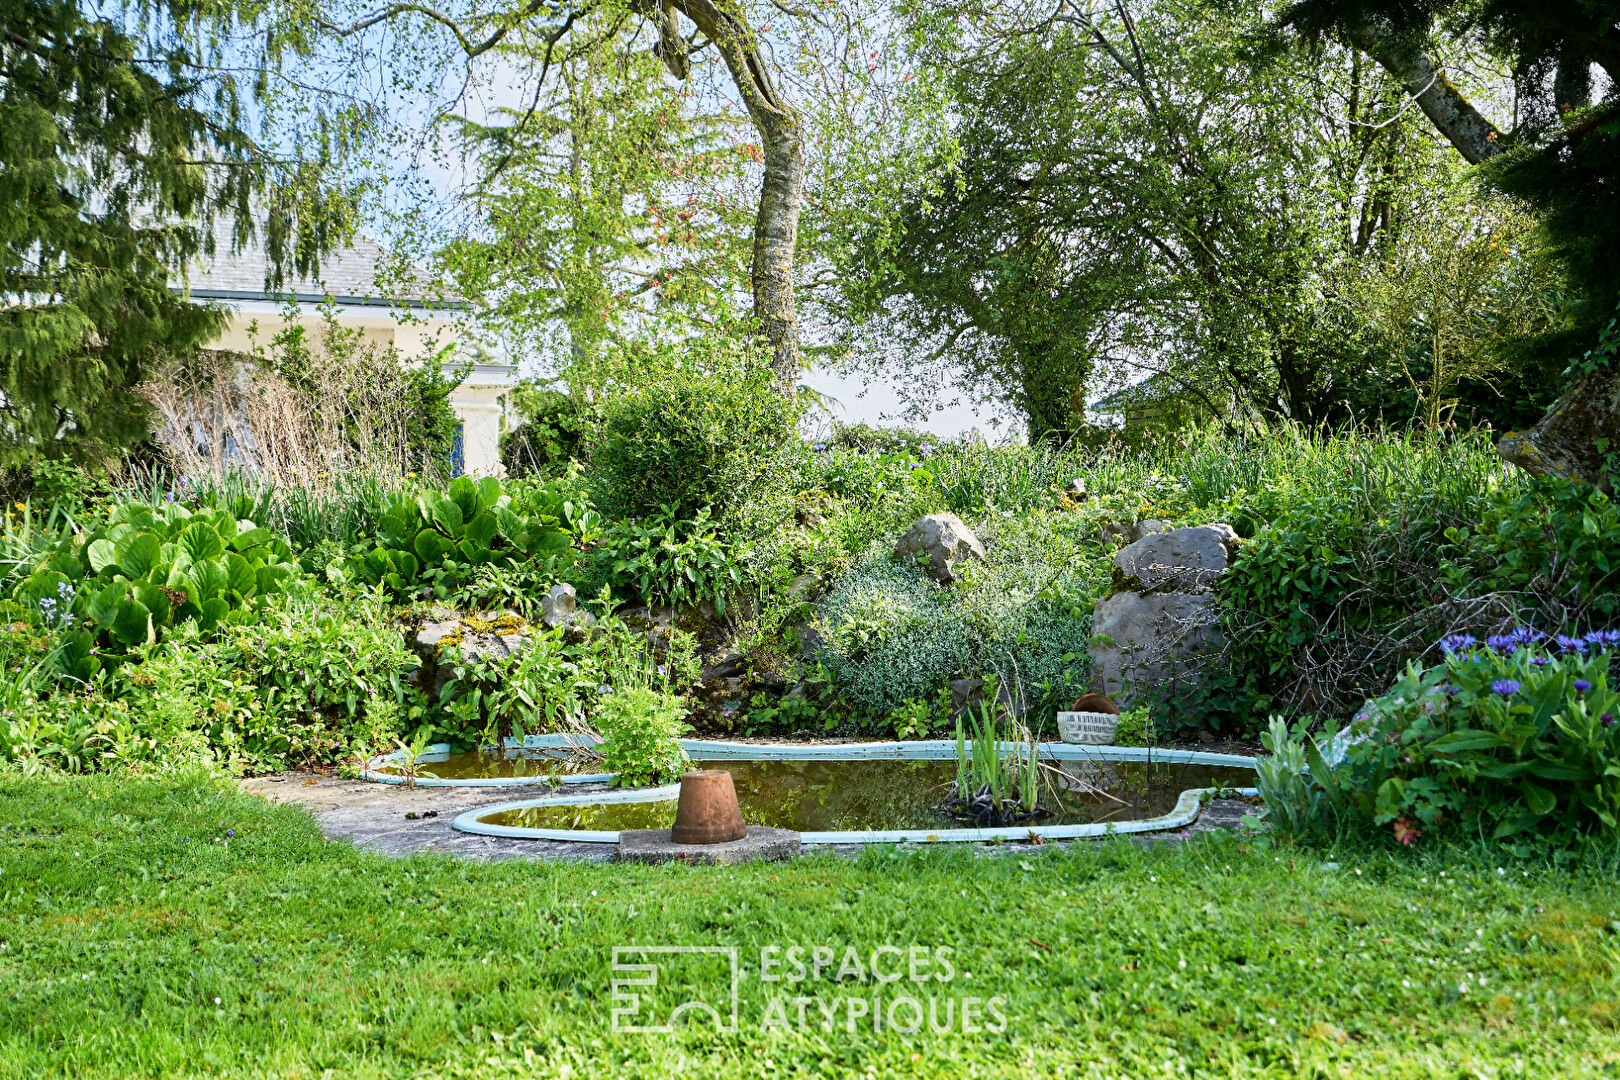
(1096, 728)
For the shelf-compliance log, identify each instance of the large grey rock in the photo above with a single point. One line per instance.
(1160, 617)
(945, 540)
(1185, 560)
(1151, 639)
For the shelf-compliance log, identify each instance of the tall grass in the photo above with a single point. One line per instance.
(1205, 468)
(344, 511)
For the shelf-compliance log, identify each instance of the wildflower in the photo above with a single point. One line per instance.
(1406, 832)
(1456, 643)
(1505, 687)
(1446, 688)
(1571, 644)
(1541, 661)
(1582, 686)
(916, 464)
(1502, 643)
(604, 689)
(926, 448)
(230, 832)
(1527, 636)
(1607, 719)
(819, 447)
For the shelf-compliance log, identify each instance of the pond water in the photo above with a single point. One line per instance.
(828, 796)
(495, 764)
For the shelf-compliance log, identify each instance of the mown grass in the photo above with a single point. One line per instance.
(138, 937)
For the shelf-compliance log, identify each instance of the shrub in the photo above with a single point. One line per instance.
(295, 687)
(888, 633)
(640, 729)
(689, 442)
(555, 430)
(1506, 740)
(148, 571)
(670, 560)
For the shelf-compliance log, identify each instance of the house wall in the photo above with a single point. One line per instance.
(480, 403)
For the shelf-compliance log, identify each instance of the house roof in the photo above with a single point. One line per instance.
(347, 276)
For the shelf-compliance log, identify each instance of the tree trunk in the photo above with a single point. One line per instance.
(1577, 436)
(1453, 115)
(776, 240)
(776, 227)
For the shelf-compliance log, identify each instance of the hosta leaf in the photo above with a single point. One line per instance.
(101, 555)
(239, 574)
(138, 553)
(447, 516)
(133, 623)
(482, 529)
(201, 542)
(210, 612)
(489, 492)
(464, 493)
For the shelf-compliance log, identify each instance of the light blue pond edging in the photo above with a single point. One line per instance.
(1184, 813)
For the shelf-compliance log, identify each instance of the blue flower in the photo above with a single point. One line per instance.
(1456, 643)
(1502, 643)
(1527, 636)
(1506, 687)
(1604, 637)
(1541, 661)
(1571, 644)
(1446, 688)
(1581, 686)
(604, 689)
(820, 446)
(1608, 719)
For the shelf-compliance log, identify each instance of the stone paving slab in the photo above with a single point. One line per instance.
(372, 816)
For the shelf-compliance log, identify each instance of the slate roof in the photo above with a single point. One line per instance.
(348, 276)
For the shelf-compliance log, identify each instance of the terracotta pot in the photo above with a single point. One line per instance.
(707, 812)
(1100, 703)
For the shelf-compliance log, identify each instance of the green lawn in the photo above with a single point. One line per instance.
(139, 938)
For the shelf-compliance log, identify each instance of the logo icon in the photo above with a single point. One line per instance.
(672, 983)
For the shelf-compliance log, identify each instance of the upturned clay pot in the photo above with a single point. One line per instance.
(707, 812)
(1098, 703)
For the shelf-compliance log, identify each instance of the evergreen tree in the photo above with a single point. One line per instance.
(120, 143)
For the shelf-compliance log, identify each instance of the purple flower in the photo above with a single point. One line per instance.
(1608, 719)
(1540, 661)
(1604, 637)
(1527, 636)
(1502, 643)
(1582, 686)
(916, 464)
(1446, 688)
(1505, 687)
(604, 689)
(1456, 643)
(230, 832)
(819, 447)
(1571, 644)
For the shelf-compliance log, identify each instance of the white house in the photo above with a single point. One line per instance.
(412, 323)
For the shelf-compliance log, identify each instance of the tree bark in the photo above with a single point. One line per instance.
(1453, 115)
(1576, 437)
(781, 131)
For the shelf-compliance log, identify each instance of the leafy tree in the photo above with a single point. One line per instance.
(122, 142)
(1147, 187)
(543, 32)
(1562, 160)
(580, 225)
